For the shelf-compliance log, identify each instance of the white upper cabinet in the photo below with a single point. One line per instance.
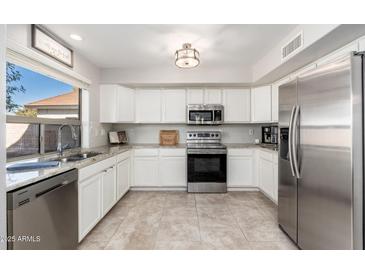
(148, 106)
(116, 104)
(173, 106)
(125, 108)
(108, 105)
(275, 99)
(261, 104)
(213, 96)
(237, 105)
(195, 96)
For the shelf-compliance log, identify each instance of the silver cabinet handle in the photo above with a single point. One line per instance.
(294, 142)
(290, 140)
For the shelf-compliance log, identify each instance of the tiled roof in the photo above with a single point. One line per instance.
(67, 99)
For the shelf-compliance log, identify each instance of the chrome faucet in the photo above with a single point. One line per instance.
(60, 148)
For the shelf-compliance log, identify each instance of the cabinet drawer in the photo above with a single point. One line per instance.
(122, 156)
(172, 152)
(146, 152)
(98, 167)
(240, 152)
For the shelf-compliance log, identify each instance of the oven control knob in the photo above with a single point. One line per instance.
(190, 135)
(194, 135)
(212, 135)
(216, 135)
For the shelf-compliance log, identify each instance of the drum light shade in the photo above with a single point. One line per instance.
(187, 57)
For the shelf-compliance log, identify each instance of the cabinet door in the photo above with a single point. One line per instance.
(173, 106)
(240, 171)
(125, 105)
(89, 204)
(173, 171)
(237, 105)
(275, 99)
(266, 176)
(108, 189)
(123, 177)
(108, 98)
(195, 96)
(276, 180)
(148, 106)
(261, 104)
(146, 171)
(213, 96)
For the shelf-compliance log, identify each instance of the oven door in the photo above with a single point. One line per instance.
(207, 167)
(200, 117)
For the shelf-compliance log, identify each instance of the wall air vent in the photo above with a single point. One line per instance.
(290, 48)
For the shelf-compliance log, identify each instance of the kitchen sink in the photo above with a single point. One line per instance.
(78, 157)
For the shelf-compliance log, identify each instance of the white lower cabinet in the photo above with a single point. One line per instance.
(100, 186)
(146, 171)
(165, 167)
(89, 204)
(240, 167)
(267, 173)
(172, 167)
(123, 177)
(109, 189)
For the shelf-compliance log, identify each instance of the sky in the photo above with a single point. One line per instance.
(38, 86)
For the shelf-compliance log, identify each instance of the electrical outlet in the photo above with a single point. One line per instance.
(250, 132)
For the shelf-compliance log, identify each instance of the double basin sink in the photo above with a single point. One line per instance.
(52, 162)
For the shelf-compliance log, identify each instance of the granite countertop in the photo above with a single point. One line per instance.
(266, 147)
(17, 179)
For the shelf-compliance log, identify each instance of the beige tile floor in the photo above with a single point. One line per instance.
(178, 220)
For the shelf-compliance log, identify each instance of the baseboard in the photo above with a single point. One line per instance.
(157, 188)
(243, 189)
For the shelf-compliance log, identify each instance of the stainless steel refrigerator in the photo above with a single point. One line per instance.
(321, 123)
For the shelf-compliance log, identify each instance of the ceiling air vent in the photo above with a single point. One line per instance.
(292, 46)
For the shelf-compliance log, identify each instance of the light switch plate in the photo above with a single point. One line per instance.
(250, 132)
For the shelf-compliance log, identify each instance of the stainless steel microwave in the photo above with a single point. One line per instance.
(204, 114)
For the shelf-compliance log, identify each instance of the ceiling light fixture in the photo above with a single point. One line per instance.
(187, 57)
(76, 37)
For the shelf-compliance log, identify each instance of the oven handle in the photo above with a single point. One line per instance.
(206, 151)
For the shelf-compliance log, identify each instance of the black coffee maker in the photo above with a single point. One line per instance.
(270, 135)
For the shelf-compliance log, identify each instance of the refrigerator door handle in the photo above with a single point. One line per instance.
(294, 142)
(290, 141)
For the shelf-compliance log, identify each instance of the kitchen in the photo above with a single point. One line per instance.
(207, 152)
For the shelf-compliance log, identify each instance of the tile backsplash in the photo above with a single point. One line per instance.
(149, 133)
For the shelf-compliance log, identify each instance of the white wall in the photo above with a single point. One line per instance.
(97, 134)
(149, 134)
(174, 75)
(2, 137)
(272, 59)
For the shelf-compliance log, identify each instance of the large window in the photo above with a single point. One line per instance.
(37, 105)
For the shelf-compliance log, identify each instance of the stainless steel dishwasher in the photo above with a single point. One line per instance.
(44, 215)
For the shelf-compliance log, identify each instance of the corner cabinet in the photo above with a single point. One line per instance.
(237, 105)
(261, 104)
(116, 104)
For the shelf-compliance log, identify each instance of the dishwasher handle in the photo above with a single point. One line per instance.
(51, 189)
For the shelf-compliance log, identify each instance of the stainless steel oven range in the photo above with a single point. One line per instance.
(207, 162)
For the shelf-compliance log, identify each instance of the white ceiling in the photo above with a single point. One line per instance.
(150, 46)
